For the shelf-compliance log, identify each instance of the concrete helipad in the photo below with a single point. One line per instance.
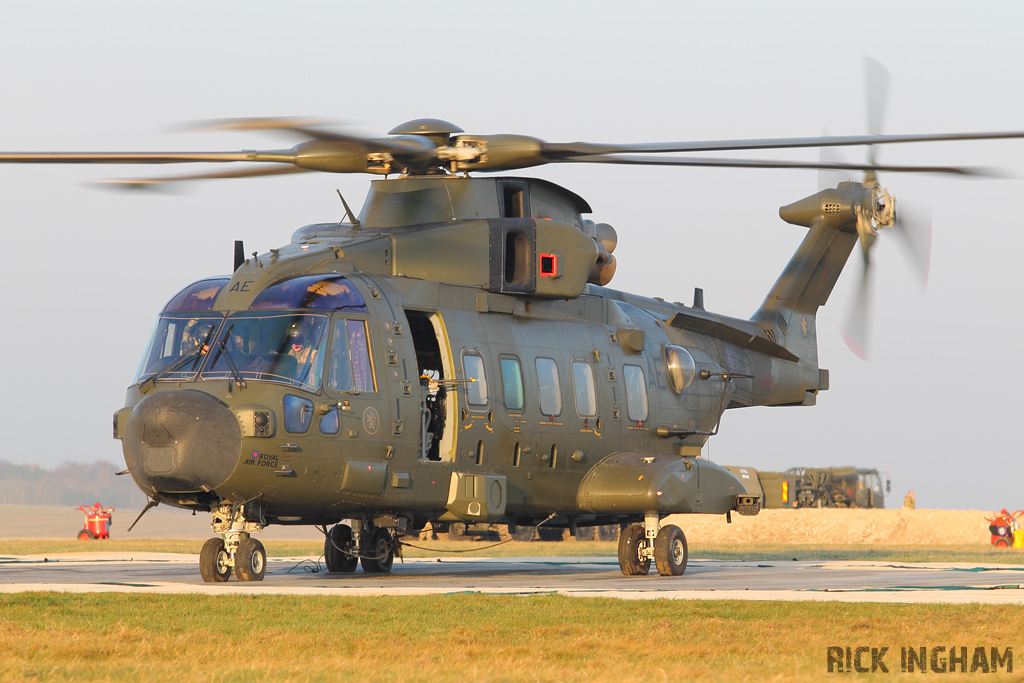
(573, 576)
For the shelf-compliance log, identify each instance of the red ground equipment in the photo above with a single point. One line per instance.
(97, 522)
(1003, 528)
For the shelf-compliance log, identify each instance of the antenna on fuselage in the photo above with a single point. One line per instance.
(348, 213)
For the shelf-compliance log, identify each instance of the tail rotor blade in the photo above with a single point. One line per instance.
(855, 333)
(829, 178)
(876, 82)
(914, 226)
(876, 79)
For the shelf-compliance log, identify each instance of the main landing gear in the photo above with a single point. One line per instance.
(641, 543)
(346, 546)
(235, 551)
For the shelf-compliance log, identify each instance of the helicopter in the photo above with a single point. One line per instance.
(454, 354)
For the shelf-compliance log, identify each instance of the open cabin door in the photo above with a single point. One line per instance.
(438, 399)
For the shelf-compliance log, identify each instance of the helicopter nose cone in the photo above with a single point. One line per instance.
(181, 442)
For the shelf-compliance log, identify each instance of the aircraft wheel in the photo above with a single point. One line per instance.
(608, 532)
(456, 532)
(585, 533)
(338, 540)
(85, 535)
(670, 551)
(213, 562)
(379, 553)
(524, 534)
(250, 560)
(631, 545)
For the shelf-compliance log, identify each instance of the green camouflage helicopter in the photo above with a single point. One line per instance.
(453, 353)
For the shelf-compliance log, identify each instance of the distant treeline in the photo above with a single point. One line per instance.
(71, 483)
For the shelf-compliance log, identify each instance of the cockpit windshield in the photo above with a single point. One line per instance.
(280, 347)
(178, 346)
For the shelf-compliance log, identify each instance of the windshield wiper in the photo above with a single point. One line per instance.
(194, 355)
(223, 349)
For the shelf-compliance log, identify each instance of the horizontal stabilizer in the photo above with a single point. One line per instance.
(744, 338)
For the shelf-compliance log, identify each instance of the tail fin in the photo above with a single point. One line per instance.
(808, 279)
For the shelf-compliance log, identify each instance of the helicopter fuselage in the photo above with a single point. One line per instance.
(462, 370)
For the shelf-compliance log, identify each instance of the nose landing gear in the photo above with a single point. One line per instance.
(235, 550)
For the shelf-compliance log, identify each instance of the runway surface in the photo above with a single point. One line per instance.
(571, 576)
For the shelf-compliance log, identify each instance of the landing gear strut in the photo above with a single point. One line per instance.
(235, 550)
(641, 543)
(373, 546)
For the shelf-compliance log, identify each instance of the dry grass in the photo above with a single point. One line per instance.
(57, 637)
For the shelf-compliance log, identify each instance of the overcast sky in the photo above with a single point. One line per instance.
(87, 270)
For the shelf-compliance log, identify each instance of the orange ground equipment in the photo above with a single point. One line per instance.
(98, 520)
(1004, 529)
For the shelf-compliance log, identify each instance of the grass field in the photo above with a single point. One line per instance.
(57, 637)
(730, 551)
(472, 637)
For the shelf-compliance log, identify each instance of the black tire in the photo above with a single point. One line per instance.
(250, 560)
(547, 533)
(456, 532)
(85, 535)
(337, 541)
(378, 552)
(585, 533)
(608, 532)
(670, 551)
(524, 534)
(631, 543)
(213, 562)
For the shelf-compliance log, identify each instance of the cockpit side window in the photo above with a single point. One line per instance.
(323, 292)
(350, 367)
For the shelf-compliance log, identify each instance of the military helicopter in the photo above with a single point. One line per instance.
(454, 354)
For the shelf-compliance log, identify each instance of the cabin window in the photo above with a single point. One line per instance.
(586, 389)
(350, 368)
(636, 392)
(476, 390)
(325, 292)
(512, 383)
(550, 389)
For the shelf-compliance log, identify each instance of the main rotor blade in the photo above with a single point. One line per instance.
(759, 163)
(558, 151)
(152, 183)
(285, 156)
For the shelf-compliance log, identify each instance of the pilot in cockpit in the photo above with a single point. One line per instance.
(304, 354)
